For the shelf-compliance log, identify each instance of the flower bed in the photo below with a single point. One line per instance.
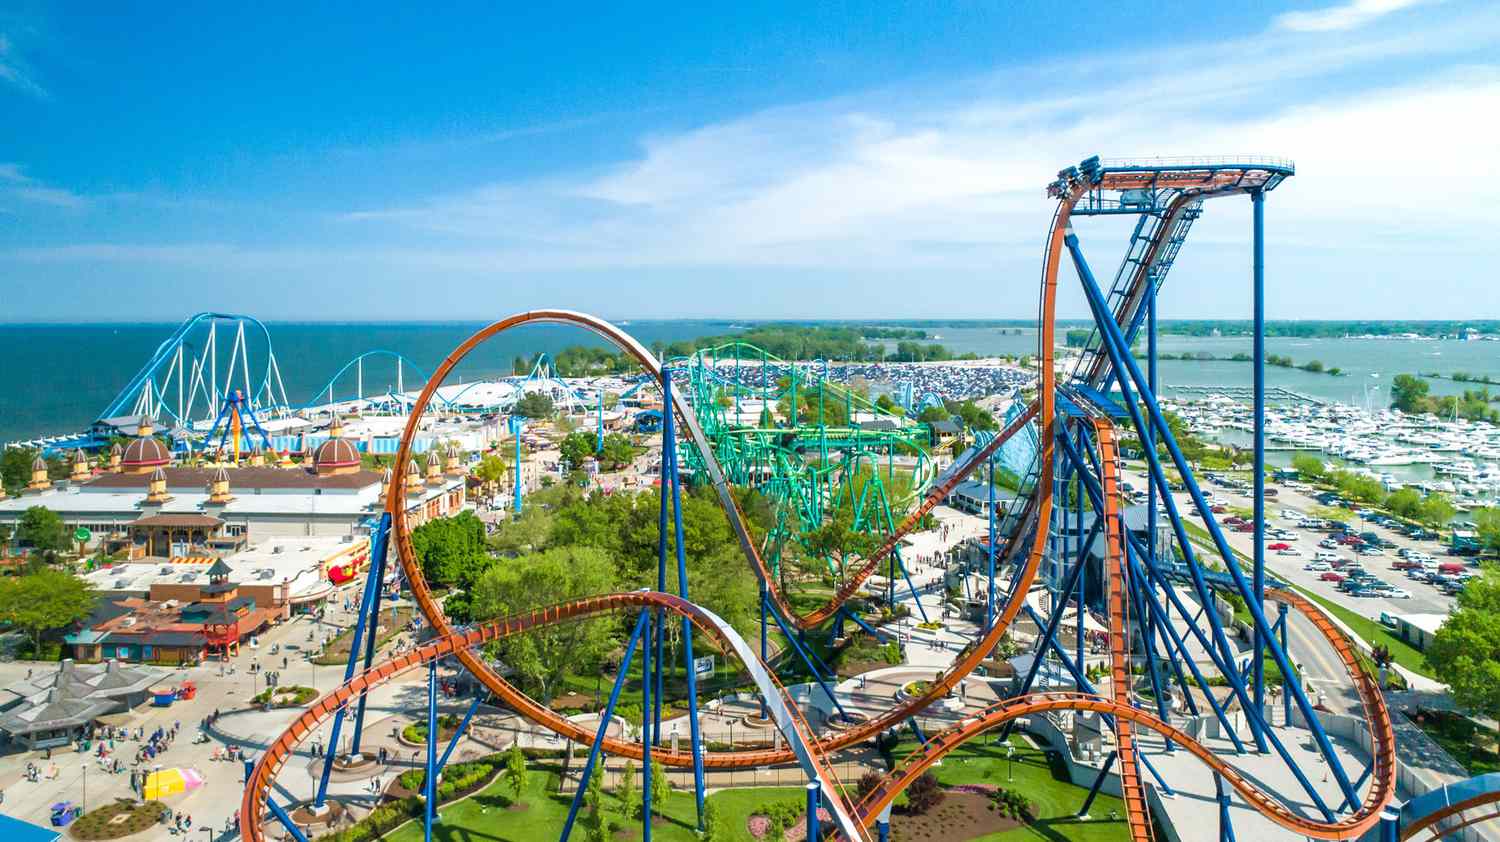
(290, 696)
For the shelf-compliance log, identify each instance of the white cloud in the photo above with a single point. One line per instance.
(1349, 15)
(14, 183)
(13, 70)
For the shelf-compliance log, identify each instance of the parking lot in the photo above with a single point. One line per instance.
(1296, 544)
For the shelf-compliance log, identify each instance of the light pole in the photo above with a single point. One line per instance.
(1010, 763)
(85, 768)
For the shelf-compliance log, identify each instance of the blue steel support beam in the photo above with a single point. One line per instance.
(989, 605)
(807, 655)
(286, 820)
(1109, 762)
(376, 571)
(1121, 356)
(1226, 826)
(813, 801)
(516, 425)
(687, 626)
(429, 786)
(1258, 659)
(646, 726)
(764, 651)
(1286, 693)
(604, 719)
(364, 618)
(463, 728)
(869, 629)
(668, 433)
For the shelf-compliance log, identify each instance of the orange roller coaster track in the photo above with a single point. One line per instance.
(1035, 518)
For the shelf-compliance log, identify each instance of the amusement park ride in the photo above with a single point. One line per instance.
(1157, 641)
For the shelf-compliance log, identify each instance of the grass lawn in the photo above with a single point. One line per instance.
(1057, 800)
(1455, 733)
(486, 815)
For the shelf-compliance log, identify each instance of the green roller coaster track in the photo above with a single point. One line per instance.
(800, 444)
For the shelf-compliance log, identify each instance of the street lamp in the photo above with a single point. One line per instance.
(1010, 763)
(85, 768)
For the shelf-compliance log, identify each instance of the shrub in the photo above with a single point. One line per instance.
(924, 793)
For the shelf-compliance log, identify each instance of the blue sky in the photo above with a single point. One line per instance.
(847, 160)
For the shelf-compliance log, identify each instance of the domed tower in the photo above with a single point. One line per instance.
(385, 485)
(413, 478)
(145, 453)
(434, 473)
(116, 453)
(39, 480)
(338, 455)
(81, 472)
(453, 461)
(218, 489)
(156, 488)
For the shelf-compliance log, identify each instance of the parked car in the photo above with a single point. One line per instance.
(1369, 549)
(1279, 545)
(1328, 543)
(1331, 576)
(1316, 566)
(1396, 593)
(1289, 551)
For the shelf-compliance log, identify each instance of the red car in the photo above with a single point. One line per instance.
(1234, 521)
(1351, 540)
(1244, 527)
(1279, 545)
(1331, 576)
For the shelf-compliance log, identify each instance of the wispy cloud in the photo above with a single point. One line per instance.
(929, 180)
(1349, 15)
(14, 70)
(14, 183)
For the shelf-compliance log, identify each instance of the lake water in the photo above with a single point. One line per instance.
(57, 378)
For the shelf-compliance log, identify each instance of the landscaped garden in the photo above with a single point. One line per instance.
(287, 696)
(121, 818)
(337, 650)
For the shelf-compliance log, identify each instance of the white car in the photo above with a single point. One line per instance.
(1396, 593)
(1316, 566)
(1289, 551)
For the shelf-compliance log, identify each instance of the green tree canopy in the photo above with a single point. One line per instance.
(535, 405)
(543, 656)
(44, 600)
(43, 529)
(1409, 393)
(1465, 653)
(452, 549)
(577, 447)
(1308, 467)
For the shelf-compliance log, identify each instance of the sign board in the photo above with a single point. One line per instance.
(703, 665)
(81, 534)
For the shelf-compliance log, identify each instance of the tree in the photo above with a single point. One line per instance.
(836, 538)
(43, 529)
(886, 403)
(595, 827)
(715, 826)
(1308, 467)
(4, 540)
(515, 770)
(1409, 393)
(491, 471)
(15, 467)
(535, 405)
(1487, 527)
(1465, 652)
(577, 447)
(924, 793)
(661, 785)
(43, 601)
(629, 803)
(617, 452)
(452, 549)
(1435, 510)
(543, 656)
(1404, 502)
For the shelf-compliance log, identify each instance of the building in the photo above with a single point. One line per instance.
(143, 504)
(1419, 629)
(181, 622)
(944, 433)
(54, 709)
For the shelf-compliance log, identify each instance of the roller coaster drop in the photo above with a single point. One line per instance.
(1075, 426)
